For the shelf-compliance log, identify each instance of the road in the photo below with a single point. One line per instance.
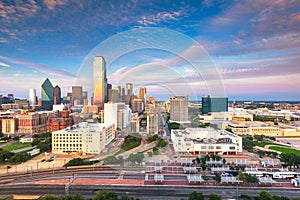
(144, 192)
(23, 149)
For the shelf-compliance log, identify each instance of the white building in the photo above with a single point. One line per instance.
(32, 97)
(179, 109)
(206, 140)
(118, 114)
(83, 138)
(152, 122)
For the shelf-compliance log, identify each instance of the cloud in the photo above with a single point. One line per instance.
(164, 16)
(39, 67)
(3, 65)
(51, 4)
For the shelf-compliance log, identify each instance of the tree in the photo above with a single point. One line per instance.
(259, 137)
(198, 160)
(196, 196)
(105, 195)
(204, 177)
(245, 197)
(290, 159)
(248, 144)
(136, 158)
(19, 157)
(217, 177)
(161, 143)
(224, 161)
(4, 155)
(214, 197)
(174, 125)
(263, 195)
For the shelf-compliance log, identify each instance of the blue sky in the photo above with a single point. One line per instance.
(255, 44)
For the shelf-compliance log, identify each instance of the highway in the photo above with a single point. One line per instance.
(143, 192)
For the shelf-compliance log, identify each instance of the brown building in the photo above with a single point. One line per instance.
(32, 123)
(57, 95)
(60, 120)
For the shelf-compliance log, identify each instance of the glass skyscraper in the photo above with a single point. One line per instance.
(47, 95)
(214, 104)
(100, 80)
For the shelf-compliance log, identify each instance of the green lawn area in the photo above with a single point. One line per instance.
(15, 146)
(285, 150)
(264, 143)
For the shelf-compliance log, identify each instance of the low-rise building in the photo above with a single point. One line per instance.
(83, 138)
(32, 123)
(206, 140)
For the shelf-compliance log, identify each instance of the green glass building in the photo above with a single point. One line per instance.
(47, 95)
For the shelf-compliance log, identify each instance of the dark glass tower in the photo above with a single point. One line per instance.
(214, 104)
(47, 95)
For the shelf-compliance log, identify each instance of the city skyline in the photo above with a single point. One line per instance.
(254, 44)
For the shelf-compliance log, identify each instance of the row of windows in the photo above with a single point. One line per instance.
(67, 145)
(67, 141)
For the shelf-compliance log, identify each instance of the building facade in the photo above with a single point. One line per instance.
(118, 114)
(214, 104)
(205, 141)
(179, 109)
(84, 138)
(56, 95)
(32, 97)
(32, 123)
(47, 95)
(77, 95)
(100, 80)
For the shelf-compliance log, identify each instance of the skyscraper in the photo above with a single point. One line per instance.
(32, 97)
(143, 92)
(47, 95)
(214, 104)
(179, 108)
(108, 87)
(77, 94)
(129, 89)
(100, 80)
(57, 95)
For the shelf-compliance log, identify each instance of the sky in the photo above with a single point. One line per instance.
(253, 45)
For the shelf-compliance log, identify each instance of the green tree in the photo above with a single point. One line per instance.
(214, 197)
(196, 196)
(205, 177)
(19, 158)
(136, 158)
(248, 144)
(174, 125)
(105, 195)
(161, 143)
(290, 159)
(217, 177)
(224, 161)
(111, 160)
(263, 195)
(5, 155)
(245, 197)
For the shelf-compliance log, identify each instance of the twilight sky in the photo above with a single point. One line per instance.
(254, 45)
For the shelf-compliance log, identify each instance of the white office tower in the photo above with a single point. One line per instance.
(179, 109)
(152, 121)
(118, 114)
(32, 97)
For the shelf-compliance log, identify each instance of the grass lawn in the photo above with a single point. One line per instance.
(265, 143)
(285, 150)
(15, 146)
